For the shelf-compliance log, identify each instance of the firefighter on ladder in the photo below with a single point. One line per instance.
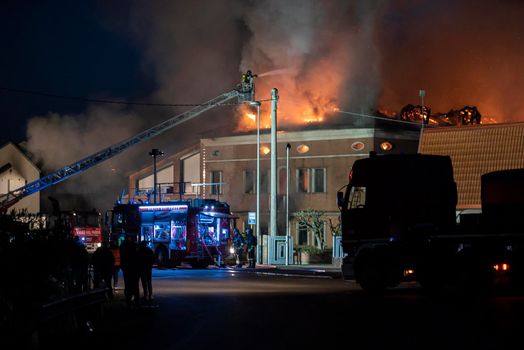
(246, 85)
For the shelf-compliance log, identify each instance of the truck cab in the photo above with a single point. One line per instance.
(391, 204)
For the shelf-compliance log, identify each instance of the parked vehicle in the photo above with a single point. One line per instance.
(399, 223)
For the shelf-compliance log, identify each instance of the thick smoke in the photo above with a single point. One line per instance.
(323, 54)
(57, 141)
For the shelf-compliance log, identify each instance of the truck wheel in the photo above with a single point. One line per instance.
(199, 264)
(430, 279)
(370, 273)
(161, 256)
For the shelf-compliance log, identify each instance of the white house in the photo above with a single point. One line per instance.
(17, 170)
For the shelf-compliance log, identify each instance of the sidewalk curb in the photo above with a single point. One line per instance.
(291, 271)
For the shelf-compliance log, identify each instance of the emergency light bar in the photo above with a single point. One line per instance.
(163, 207)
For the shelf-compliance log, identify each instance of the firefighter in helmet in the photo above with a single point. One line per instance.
(238, 244)
(251, 243)
(247, 81)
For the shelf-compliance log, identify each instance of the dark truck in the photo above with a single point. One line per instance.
(399, 223)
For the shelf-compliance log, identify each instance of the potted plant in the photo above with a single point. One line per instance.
(309, 254)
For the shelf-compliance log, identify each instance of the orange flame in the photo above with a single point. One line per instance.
(306, 98)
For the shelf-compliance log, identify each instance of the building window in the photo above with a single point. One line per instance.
(318, 180)
(386, 146)
(358, 146)
(216, 182)
(302, 234)
(311, 180)
(303, 180)
(250, 185)
(302, 149)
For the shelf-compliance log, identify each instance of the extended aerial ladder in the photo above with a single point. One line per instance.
(244, 93)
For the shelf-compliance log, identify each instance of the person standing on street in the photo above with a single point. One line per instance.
(238, 244)
(104, 265)
(116, 254)
(80, 265)
(129, 265)
(146, 259)
(251, 243)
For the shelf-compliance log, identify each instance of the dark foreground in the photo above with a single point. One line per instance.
(218, 309)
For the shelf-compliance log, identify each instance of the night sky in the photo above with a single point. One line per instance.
(62, 48)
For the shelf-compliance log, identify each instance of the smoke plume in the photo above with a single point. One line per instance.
(321, 55)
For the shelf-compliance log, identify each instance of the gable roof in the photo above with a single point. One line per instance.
(23, 152)
(474, 151)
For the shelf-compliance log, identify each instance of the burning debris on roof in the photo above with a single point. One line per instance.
(467, 115)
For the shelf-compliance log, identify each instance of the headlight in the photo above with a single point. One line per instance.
(99, 244)
(232, 250)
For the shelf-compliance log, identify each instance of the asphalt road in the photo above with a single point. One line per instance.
(221, 309)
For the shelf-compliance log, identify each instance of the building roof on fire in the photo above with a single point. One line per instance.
(476, 150)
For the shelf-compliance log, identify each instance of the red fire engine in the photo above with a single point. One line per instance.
(195, 231)
(86, 225)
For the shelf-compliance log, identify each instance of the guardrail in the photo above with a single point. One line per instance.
(78, 311)
(72, 303)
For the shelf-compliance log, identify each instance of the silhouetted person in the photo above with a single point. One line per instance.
(251, 243)
(103, 266)
(79, 265)
(238, 244)
(116, 254)
(146, 259)
(129, 265)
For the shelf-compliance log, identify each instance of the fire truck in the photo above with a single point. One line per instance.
(194, 231)
(399, 223)
(86, 225)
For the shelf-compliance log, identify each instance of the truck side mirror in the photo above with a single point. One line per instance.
(340, 199)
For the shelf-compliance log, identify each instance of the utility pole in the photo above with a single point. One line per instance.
(259, 236)
(155, 152)
(273, 212)
(288, 147)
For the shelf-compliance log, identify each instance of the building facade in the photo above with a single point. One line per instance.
(17, 170)
(319, 163)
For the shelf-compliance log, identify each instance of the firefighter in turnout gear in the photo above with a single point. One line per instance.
(238, 244)
(251, 243)
(246, 86)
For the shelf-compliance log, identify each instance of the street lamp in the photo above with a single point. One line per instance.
(288, 147)
(259, 237)
(155, 152)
